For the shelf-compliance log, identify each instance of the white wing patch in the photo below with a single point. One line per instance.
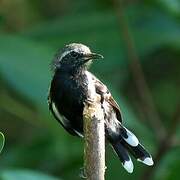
(63, 120)
(78, 133)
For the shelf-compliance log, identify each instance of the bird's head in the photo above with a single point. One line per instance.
(74, 56)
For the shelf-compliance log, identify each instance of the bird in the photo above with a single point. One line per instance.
(72, 85)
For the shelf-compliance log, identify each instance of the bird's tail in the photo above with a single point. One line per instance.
(127, 143)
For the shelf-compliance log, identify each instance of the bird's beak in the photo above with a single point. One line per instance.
(93, 56)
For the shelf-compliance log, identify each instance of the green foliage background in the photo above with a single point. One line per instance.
(30, 34)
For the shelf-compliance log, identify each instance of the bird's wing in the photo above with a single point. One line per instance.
(105, 93)
(60, 118)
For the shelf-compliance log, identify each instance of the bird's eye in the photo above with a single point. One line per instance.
(74, 54)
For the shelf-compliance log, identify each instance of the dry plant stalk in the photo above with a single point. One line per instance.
(94, 149)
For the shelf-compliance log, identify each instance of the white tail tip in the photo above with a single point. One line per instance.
(128, 165)
(131, 139)
(148, 161)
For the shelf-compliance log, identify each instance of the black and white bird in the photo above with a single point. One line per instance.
(72, 85)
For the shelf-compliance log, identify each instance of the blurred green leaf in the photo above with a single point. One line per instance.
(173, 6)
(2, 141)
(24, 175)
(167, 92)
(150, 27)
(168, 168)
(26, 66)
